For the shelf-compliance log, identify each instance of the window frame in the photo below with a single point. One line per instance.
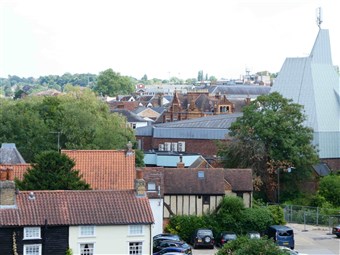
(26, 230)
(151, 186)
(133, 232)
(30, 245)
(81, 228)
(88, 243)
(139, 245)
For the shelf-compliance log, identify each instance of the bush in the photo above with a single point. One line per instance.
(246, 246)
(256, 219)
(277, 215)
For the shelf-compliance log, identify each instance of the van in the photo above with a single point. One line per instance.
(282, 235)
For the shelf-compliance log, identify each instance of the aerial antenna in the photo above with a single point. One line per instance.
(319, 18)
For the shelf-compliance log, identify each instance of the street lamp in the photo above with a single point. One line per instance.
(289, 169)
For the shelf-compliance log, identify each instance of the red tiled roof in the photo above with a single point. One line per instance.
(105, 169)
(74, 207)
(18, 169)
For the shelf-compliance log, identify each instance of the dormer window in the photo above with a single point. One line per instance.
(224, 108)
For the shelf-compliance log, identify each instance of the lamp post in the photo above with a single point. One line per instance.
(289, 169)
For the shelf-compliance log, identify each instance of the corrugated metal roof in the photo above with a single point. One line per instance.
(314, 83)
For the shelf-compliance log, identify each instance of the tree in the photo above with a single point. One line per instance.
(200, 75)
(52, 171)
(269, 137)
(110, 83)
(81, 120)
(330, 189)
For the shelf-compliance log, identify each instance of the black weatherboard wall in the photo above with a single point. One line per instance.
(54, 240)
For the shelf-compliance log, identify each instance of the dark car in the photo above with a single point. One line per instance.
(203, 237)
(336, 230)
(167, 236)
(158, 246)
(170, 249)
(282, 235)
(224, 237)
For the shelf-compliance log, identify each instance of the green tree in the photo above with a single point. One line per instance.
(83, 122)
(52, 171)
(270, 137)
(110, 83)
(247, 246)
(330, 189)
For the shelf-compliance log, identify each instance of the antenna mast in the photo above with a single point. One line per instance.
(319, 18)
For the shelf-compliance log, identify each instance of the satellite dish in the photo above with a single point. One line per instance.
(319, 18)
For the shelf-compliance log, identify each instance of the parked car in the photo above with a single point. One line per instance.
(167, 236)
(158, 246)
(224, 237)
(203, 237)
(336, 230)
(170, 249)
(282, 235)
(253, 235)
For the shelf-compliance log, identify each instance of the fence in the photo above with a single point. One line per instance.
(309, 215)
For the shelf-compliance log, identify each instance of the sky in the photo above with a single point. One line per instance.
(160, 38)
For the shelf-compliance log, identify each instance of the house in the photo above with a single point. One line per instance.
(87, 222)
(189, 191)
(132, 119)
(313, 82)
(152, 113)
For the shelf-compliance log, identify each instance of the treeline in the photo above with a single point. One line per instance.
(14, 83)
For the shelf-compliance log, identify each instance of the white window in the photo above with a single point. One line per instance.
(86, 231)
(135, 229)
(32, 233)
(151, 186)
(32, 249)
(86, 249)
(135, 248)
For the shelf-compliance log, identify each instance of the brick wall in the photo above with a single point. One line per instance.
(333, 163)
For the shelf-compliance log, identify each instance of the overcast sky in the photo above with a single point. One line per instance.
(160, 38)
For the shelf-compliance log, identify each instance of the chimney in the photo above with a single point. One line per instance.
(7, 187)
(129, 151)
(140, 186)
(180, 164)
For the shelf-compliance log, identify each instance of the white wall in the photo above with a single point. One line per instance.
(157, 210)
(110, 239)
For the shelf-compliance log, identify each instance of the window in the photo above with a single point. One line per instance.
(86, 230)
(32, 249)
(135, 229)
(200, 174)
(135, 248)
(206, 200)
(32, 233)
(86, 249)
(151, 186)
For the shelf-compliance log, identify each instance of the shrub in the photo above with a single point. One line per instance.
(256, 219)
(246, 246)
(277, 215)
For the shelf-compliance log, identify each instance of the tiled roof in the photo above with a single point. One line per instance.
(105, 169)
(240, 179)
(130, 116)
(186, 180)
(89, 207)
(18, 169)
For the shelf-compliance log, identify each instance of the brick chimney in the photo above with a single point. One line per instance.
(140, 186)
(7, 187)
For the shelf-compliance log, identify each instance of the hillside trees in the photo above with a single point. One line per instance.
(110, 83)
(271, 137)
(83, 122)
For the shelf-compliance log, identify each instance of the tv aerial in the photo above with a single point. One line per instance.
(319, 18)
